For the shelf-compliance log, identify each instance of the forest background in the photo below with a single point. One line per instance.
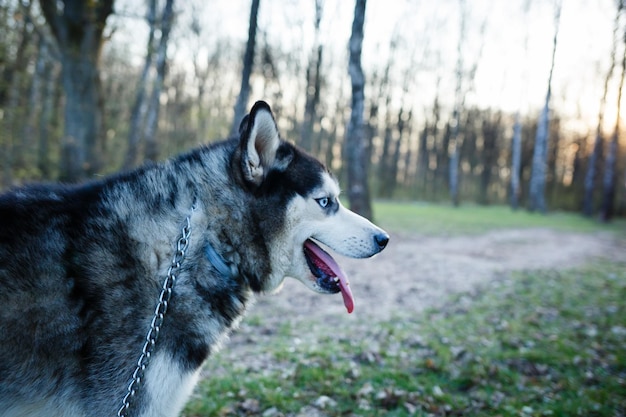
(484, 101)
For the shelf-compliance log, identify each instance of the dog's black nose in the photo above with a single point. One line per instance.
(381, 240)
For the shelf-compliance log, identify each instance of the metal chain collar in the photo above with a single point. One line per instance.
(157, 320)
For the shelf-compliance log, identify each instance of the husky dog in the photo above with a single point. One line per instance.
(114, 293)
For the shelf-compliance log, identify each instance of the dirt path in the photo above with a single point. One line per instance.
(415, 273)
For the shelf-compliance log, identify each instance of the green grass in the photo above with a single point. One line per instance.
(441, 219)
(541, 343)
(553, 343)
(535, 344)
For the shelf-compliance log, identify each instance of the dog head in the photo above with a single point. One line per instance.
(297, 205)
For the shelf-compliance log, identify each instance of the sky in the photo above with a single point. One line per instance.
(508, 48)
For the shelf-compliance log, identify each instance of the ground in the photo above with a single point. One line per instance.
(412, 274)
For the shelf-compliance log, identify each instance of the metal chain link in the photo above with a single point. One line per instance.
(157, 320)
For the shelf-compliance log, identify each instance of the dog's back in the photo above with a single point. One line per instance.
(40, 314)
(80, 273)
(76, 285)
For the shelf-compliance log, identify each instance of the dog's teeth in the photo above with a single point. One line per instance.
(336, 279)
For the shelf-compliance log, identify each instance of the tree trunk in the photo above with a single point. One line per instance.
(490, 132)
(385, 156)
(12, 99)
(248, 62)
(358, 190)
(82, 120)
(442, 165)
(456, 139)
(313, 87)
(409, 155)
(77, 25)
(139, 107)
(32, 110)
(609, 180)
(151, 152)
(47, 121)
(516, 142)
(18, 107)
(595, 156)
(423, 155)
(516, 162)
(394, 162)
(13, 71)
(454, 155)
(537, 198)
(428, 148)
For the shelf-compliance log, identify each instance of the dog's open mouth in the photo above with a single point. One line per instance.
(330, 277)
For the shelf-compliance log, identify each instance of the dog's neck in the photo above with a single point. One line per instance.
(218, 262)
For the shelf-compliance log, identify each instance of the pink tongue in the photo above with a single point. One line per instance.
(344, 284)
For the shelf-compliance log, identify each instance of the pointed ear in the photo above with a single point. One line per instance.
(244, 124)
(259, 142)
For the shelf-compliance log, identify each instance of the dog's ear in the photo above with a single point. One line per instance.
(244, 124)
(259, 142)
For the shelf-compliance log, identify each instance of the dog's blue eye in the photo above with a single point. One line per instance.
(323, 202)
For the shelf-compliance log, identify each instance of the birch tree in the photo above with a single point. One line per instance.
(455, 139)
(537, 199)
(241, 105)
(516, 161)
(516, 142)
(78, 26)
(358, 189)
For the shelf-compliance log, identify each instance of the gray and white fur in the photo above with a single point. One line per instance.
(81, 269)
